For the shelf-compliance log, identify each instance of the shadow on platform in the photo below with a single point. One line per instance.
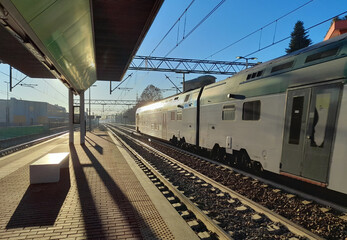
(41, 203)
(102, 136)
(95, 145)
(90, 212)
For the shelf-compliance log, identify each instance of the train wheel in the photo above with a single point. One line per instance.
(174, 141)
(213, 153)
(232, 160)
(257, 167)
(245, 161)
(222, 155)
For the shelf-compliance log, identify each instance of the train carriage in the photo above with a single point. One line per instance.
(287, 116)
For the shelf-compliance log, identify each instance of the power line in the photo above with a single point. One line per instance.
(65, 96)
(178, 20)
(260, 29)
(184, 12)
(128, 77)
(196, 26)
(283, 39)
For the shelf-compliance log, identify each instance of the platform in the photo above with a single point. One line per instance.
(102, 195)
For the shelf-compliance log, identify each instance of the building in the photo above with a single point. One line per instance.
(25, 113)
(337, 28)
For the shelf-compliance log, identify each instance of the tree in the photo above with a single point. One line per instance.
(299, 38)
(149, 94)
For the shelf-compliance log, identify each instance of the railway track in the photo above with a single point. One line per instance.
(19, 147)
(304, 195)
(320, 218)
(216, 206)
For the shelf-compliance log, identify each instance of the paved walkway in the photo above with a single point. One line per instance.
(99, 196)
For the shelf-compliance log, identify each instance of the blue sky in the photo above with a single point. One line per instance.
(230, 22)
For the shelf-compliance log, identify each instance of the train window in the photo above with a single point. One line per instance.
(173, 115)
(282, 66)
(251, 110)
(295, 121)
(228, 112)
(259, 73)
(320, 55)
(186, 98)
(179, 115)
(255, 74)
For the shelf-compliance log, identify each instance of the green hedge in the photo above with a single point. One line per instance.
(13, 132)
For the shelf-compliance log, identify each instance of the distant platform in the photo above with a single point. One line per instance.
(103, 194)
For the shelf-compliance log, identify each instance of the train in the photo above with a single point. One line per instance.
(287, 116)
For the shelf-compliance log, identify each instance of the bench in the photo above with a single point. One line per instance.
(47, 168)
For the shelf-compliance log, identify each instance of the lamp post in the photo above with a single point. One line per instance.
(251, 58)
(90, 117)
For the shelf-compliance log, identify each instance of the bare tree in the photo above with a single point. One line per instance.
(150, 94)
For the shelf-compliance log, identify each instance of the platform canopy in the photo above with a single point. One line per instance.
(76, 41)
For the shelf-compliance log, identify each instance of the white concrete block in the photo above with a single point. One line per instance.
(47, 168)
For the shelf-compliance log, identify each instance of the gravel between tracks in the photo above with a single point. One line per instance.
(319, 219)
(239, 220)
(312, 216)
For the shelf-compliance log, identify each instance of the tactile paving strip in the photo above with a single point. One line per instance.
(152, 226)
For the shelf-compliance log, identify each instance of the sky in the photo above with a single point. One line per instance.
(232, 21)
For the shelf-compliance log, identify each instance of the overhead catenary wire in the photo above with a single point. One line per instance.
(177, 21)
(173, 83)
(185, 36)
(155, 48)
(260, 29)
(288, 37)
(129, 76)
(197, 25)
(64, 95)
(60, 100)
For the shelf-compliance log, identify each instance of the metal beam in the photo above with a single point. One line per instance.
(107, 102)
(181, 65)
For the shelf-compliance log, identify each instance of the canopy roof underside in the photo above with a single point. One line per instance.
(77, 41)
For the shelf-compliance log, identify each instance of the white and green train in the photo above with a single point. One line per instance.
(287, 116)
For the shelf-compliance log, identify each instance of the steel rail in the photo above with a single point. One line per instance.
(263, 180)
(209, 223)
(21, 146)
(293, 227)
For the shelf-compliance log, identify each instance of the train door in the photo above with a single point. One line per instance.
(309, 131)
(164, 129)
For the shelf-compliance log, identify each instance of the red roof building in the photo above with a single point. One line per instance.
(337, 28)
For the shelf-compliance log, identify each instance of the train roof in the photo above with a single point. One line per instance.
(246, 82)
(294, 54)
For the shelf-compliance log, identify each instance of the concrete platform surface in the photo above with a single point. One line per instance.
(102, 195)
